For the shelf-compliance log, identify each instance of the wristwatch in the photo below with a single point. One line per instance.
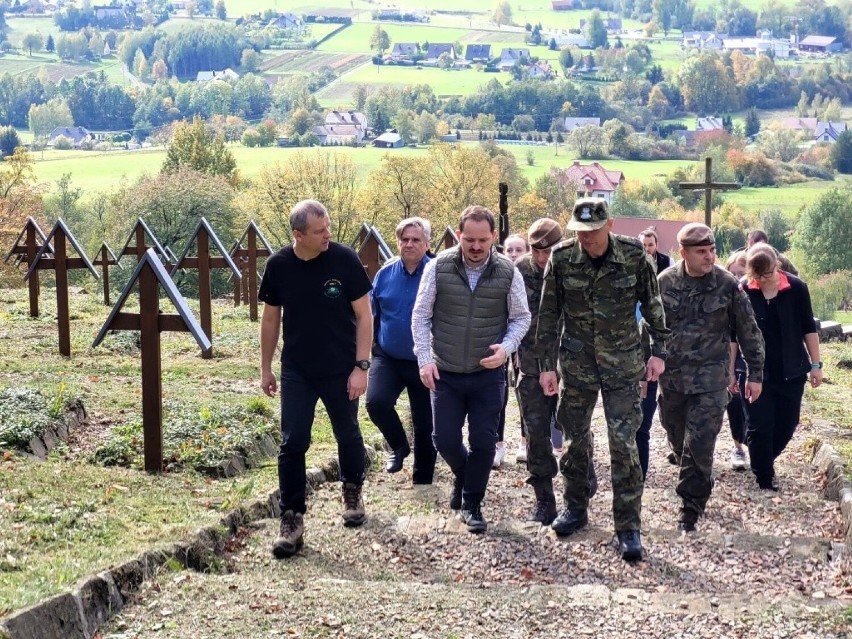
(815, 365)
(363, 364)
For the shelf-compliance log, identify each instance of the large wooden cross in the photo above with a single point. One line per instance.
(203, 262)
(105, 258)
(61, 263)
(504, 213)
(29, 242)
(247, 256)
(708, 186)
(151, 275)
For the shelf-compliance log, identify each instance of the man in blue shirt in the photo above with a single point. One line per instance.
(394, 366)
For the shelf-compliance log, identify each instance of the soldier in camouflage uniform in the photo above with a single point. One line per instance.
(538, 410)
(704, 308)
(588, 312)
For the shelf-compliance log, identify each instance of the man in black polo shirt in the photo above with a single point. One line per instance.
(321, 290)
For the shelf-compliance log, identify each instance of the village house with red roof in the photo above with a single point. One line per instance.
(592, 180)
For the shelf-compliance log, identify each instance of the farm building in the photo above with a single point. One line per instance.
(820, 44)
(478, 53)
(77, 134)
(575, 123)
(389, 140)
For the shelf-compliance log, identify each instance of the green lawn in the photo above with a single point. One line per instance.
(356, 38)
(17, 28)
(789, 199)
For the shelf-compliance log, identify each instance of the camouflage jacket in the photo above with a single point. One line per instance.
(527, 359)
(590, 314)
(704, 313)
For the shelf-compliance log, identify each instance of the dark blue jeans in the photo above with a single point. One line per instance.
(643, 435)
(479, 398)
(299, 396)
(737, 417)
(389, 376)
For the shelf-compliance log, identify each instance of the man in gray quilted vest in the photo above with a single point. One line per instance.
(470, 313)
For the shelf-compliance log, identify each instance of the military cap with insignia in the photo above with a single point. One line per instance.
(589, 214)
(544, 233)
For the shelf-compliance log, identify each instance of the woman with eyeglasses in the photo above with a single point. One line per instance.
(782, 307)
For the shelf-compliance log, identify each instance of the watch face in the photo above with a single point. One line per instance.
(364, 364)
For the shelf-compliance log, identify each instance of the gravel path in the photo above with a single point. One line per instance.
(760, 566)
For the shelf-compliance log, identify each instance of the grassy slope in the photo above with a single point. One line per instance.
(66, 518)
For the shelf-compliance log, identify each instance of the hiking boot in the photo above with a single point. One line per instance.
(544, 513)
(570, 521)
(353, 505)
(456, 495)
(471, 515)
(686, 521)
(290, 532)
(630, 545)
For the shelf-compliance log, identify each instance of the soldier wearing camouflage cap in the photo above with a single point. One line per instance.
(704, 308)
(538, 410)
(588, 316)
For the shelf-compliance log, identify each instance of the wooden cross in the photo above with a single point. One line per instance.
(61, 263)
(203, 262)
(105, 258)
(33, 239)
(151, 275)
(247, 257)
(708, 186)
(138, 234)
(373, 252)
(448, 240)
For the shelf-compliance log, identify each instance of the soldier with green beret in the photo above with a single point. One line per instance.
(705, 309)
(587, 326)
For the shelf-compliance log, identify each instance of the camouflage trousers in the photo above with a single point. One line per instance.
(623, 411)
(537, 410)
(692, 423)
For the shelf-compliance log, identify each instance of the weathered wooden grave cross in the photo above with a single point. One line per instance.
(105, 258)
(29, 242)
(137, 235)
(708, 186)
(247, 256)
(150, 322)
(448, 240)
(203, 262)
(61, 263)
(372, 249)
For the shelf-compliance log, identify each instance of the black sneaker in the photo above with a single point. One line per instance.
(630, 545)
(396, 459)
(290, 535)
(471, 515)
(353, 506)
(544, 513)
(570, 521)
(456, 495)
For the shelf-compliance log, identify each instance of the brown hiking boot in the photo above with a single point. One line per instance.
(290, 533)
(353, 506)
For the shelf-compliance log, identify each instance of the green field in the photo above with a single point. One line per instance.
(94, 171)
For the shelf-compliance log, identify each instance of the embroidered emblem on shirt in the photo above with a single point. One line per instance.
(333, 289)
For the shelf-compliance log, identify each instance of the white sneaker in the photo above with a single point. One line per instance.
(557, 452)
(738, 459)
(499, 455)
(521, 454)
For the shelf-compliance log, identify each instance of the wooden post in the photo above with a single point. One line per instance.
(504, 213)
(152, 386)
(151, 274)
(247, 258)
(203, 262)
(105, 258)
(60, 263)
(708, 186)
(33, 239)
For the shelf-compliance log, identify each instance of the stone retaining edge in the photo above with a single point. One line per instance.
(95, 598)
(837, 485)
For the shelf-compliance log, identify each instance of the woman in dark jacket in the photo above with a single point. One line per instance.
(782, 307)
